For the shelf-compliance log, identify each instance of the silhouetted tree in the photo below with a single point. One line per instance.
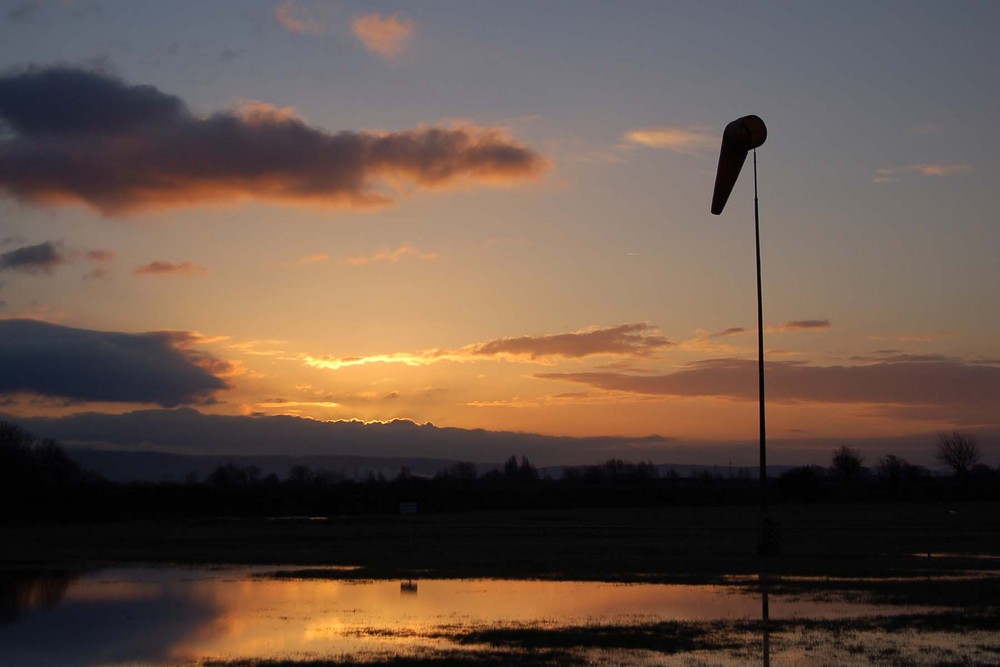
(847, 464)
(300, 475)
(463, 470)
(232, 475)
(959, 451)
(522, 471)
(898, 475)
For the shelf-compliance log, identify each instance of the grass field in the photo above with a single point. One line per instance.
(610, 545)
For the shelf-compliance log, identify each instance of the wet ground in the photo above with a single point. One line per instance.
(262, 616)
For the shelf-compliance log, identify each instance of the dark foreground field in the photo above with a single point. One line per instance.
(935, 568)
(647, 544)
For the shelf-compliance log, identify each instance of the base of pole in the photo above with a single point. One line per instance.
(770, 538)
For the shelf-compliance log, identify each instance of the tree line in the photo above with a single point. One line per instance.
(38, 480)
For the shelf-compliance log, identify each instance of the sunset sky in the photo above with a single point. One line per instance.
(495, 215)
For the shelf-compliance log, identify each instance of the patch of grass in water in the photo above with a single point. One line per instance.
(662, 637)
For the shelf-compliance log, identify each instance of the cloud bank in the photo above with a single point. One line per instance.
(72, 136)
(189, 431)
(937, 385)
(84, 365)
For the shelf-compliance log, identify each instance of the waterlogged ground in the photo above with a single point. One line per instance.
(270, 616)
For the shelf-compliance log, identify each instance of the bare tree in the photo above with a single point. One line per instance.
(958, 451)
(847, 463)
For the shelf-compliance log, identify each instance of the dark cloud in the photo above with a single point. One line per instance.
(160, 268)
(931, 382)
(632, 340)
(40, 258)
(79, 136)
(83, 365)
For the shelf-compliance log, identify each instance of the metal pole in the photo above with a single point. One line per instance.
(760, 348)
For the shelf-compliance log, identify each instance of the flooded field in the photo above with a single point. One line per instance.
(260, 615)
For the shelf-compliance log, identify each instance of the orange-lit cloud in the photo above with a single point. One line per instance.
(159, 268)
(298, 19)
(391, 256)
(893, 174)
(629, 340)
(121, 148)
(676, 139)
(385, 35)
(637, 341)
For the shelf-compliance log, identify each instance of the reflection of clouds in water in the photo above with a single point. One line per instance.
(120, 629)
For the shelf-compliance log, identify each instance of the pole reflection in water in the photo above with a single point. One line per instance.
(765, 613)
(408, 587)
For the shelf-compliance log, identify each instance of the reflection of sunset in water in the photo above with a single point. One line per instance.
(223, 614)
(263, 617)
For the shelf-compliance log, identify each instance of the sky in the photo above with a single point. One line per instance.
(496, 216)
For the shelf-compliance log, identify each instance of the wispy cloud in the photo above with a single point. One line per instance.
(296, 18)
(387, 36)
(894, 174)
(391, 256)
(161, 268)
(100, 255)
(725, 333)
(636, 341)
(309, 260)
(915, 338)
(121, 148)
(676, 139)
(801, 325)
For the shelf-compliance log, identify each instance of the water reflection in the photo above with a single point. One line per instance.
(160, 616)
(24, 591)
(765, 618)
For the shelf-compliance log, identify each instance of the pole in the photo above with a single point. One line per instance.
(760, 348)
